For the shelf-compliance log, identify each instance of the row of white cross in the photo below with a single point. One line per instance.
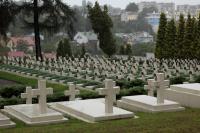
(110, 91)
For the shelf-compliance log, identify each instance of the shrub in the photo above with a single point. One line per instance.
(197, 79)
(10, 101)
(124, 84)
(132, 92)
(177, 80)
(89, 94)
(10, 91)
(57, 97)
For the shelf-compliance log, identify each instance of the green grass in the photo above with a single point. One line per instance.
(176, 122)
(30, 81)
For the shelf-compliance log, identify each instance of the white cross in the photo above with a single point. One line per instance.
(150, 87)
(72, 92)
(110, 92)
(161, 84)
(28, 95)
(42, 93)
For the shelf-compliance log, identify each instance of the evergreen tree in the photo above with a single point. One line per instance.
(180, 37)
(170, 40)
(64, 48)
(83, 51)
(128, 49)
(47, 15)
(197, 53)
(194, 36)
(102, 24)
(160, 42)
(8, 11)
(122, 50)
(188, 39)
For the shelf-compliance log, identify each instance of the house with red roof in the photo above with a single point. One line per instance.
(26, 40)
(16, 54)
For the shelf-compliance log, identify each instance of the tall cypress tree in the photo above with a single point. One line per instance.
(170, 40)
(64, 48)
(197, 53)
(194, 36)
(160, 42)
(188, 39)
(180, 37)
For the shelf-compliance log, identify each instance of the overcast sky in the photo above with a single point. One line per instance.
(123, 3)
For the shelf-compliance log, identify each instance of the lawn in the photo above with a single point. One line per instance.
(187, 121)
(177, 122)
(29, 81)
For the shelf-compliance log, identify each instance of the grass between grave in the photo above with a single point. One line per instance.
(30, 81)
(26, 81)
(175, 122)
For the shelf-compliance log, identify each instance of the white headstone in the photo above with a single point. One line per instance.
(109, 91)
(72, 92)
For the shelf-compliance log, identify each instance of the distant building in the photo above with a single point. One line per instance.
(85, 37)
(16, 54)
(129, 16)
(185, 9)
(168, 8)
(143, 5)
(143, 37)
(89, 40)
(135, 38)
(162, 7)
(26, 40)
(153, 19)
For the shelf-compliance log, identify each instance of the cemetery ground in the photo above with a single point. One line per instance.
(177, 122)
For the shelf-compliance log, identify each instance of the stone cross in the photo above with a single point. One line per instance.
(110, 92)
(72, 92)
(42, 93)
(28, 95)
(150, 87)
(161, 84)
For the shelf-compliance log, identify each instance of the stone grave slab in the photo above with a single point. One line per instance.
(149, 103)
(35, 114)
(186, 94)
(92, 110)
(30, 114)
(5, 122)
(146, 103)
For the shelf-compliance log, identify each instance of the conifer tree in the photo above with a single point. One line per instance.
(170, 40)
(194, 36)
(161, 36)
(102, 24)
(188, 39)
(128, 49)
(64, 48)
(180, 37)
(197, 53)
(122, 50)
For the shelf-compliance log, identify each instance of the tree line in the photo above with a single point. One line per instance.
(178, 39)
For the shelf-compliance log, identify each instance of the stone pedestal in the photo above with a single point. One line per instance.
(91, 111)
(5, 122)
(145, 103)
(31, 115)
(186, 94)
